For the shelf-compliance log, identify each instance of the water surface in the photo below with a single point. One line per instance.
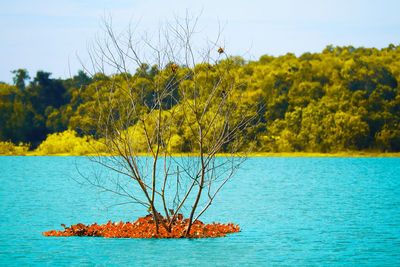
(293, 211)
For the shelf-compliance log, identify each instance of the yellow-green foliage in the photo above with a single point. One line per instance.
(69, 143)
(8, 148)
(135, 136)
(344, 98)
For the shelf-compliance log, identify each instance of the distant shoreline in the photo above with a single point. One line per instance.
(344, 154)
(352, 154)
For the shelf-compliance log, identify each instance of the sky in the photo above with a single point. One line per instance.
(51, 35)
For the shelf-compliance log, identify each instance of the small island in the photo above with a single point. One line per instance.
(144, 227)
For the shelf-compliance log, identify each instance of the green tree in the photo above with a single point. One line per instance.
(21, 75)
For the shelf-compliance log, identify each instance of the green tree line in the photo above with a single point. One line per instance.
(343, 98)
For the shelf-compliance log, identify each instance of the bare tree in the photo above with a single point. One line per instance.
(164, 125)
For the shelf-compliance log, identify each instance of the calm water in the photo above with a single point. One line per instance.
(293, 211)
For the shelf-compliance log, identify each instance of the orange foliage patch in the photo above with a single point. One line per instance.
(145, 227)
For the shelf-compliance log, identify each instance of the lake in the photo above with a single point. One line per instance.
(292, 211)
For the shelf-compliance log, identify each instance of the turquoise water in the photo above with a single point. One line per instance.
(293, 211)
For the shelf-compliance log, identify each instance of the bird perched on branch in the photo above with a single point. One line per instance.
(174, 67)
(221, 50)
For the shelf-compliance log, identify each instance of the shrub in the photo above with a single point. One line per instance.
(8, 148)
(68, 142)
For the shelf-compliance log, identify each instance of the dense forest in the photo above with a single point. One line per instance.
(343, 98)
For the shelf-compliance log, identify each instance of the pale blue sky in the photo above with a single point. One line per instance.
(47, 34)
